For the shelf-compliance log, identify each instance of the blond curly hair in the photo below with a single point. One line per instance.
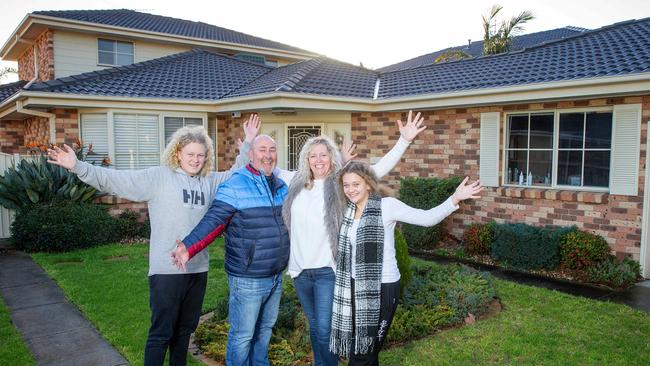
(183, 137)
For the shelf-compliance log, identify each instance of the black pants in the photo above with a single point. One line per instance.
(175, 302)
(387, 307)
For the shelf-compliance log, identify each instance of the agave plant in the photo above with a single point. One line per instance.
(37, 181)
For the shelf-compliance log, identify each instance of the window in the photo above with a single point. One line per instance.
(585, 141)
(258, 59)
(530, 149)
(137, 141)
(172, 124)
(111, 52)
(572, 149)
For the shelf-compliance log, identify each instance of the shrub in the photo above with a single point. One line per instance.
(581, 249)
(614, 273)
(436, 297)
(425, 194)
(61, 226)
(528, 247)
(131, 228)
(478, 238)
(38, 181)
(403, 260)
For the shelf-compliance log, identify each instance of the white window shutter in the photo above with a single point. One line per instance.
(94, 131)
(624, 165)
(172, 124)
(148, 141)
(137, 142)
(489, 149)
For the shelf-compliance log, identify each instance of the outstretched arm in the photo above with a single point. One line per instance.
(399, 211)
(408, 132)
(135, 185)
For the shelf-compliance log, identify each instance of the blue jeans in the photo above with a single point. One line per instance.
(315, 289)
(252, 310)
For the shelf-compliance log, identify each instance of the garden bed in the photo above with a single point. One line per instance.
(437, 297)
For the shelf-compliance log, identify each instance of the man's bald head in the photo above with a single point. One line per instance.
(263, 154)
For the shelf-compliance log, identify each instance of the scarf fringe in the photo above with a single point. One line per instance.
(340, 342)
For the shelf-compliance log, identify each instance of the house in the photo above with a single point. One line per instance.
(557, 129)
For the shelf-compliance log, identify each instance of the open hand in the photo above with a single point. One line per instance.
(65, 157)
(466, 191)
(252, 127)
(412, 128)
(347, 151)
(180, 256)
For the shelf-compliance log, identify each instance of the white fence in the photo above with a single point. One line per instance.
(7, 216)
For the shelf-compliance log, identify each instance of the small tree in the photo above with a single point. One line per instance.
(499, 40)
(6, 70)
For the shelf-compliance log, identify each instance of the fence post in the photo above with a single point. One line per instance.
(16, 159)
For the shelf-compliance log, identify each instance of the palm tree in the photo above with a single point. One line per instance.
(499, 40)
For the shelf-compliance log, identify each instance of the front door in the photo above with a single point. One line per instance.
(296, 138)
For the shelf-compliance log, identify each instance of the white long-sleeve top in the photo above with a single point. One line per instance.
(310, 245)
(392, 211)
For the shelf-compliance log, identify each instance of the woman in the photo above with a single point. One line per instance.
(312, 212)
(367, 276)
(178, 194)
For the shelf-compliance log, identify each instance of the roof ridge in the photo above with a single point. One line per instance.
(170, 18)
(465, 46)
(294, 79)
(586, 33)
(69, 80)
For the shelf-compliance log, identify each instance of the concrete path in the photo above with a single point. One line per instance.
(53, 329)
(637, 296)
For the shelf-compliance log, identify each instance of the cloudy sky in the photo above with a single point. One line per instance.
(376, 33)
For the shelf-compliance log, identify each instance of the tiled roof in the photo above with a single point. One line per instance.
(7, 90)
(619, 49)
(196, 74)
(475, 49)
(161, 24)
(322, 76)
(615, 50)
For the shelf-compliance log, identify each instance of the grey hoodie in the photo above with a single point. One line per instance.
(175, 200)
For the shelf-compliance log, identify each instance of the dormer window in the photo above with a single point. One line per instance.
(114, 53)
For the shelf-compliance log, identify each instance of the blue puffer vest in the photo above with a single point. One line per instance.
(257, 241)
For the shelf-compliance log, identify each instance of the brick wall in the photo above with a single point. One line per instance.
(12, 137)
(228, 131)
(45, 43)
(450, 146)
(37, 131)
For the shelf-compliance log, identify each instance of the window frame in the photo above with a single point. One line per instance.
(115, 53)
(555, 150)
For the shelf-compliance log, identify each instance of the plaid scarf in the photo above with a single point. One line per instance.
(367, 285)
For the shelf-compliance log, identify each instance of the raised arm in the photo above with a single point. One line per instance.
(134, 185)
(408, 132)
(399, 211)
(251, 129)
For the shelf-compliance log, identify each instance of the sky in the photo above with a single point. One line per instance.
(375, 33)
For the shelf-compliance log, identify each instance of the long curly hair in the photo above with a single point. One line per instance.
(304, 173)
(183, 137)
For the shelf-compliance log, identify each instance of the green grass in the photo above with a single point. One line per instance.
(13, 350)
(536, 326)
(109, 284)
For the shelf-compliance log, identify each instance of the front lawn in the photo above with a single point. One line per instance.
(536, 326)
(13, 350)
(109, 285)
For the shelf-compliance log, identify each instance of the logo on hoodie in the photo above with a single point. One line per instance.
(193, 197)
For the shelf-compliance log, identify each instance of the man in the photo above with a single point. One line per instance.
(257, 250)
